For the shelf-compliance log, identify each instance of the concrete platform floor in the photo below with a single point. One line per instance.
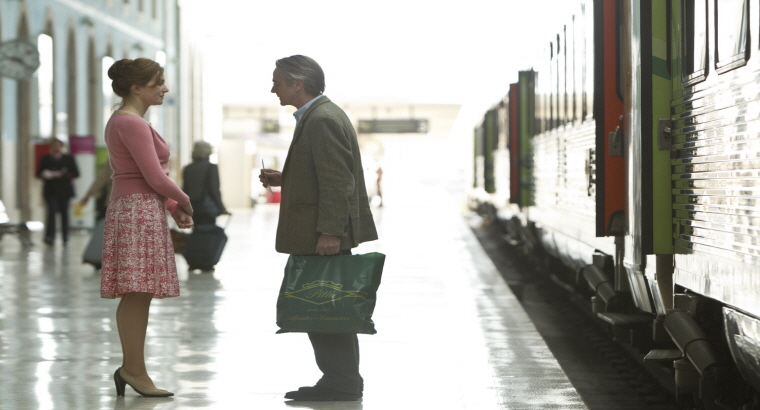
(451, 334)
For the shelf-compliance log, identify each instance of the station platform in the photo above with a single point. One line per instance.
(451, 335)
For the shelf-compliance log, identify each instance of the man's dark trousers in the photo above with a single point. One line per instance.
(57, 205)
(337, 356)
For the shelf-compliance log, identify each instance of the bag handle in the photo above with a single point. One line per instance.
(226, 224)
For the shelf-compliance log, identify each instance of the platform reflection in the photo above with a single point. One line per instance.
(451, 335)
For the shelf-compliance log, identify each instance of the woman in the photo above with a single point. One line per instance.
(200, 180)
(138, 257)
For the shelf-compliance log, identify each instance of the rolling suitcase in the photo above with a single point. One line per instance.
(204, 246)
(93, 254)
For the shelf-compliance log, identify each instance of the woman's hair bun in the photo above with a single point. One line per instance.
(117, 69)
(126, 72)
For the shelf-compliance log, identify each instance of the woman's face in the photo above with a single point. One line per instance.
(153, 93)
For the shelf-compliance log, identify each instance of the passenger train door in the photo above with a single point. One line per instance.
(607, 159)
(646, 92)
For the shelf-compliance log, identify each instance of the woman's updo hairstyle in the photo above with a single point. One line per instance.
(126, 73)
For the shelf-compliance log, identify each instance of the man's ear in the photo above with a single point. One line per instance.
(299, 85)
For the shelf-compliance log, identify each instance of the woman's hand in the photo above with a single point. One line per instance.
(328, 244)
(270, 177)
(183, 219)
(187, 208)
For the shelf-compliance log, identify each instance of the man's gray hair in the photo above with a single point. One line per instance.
(201, 150)
(303, 68)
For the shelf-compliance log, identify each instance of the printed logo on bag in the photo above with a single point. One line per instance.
(322, 291)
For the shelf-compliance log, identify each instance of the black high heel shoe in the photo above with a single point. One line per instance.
(121, 384)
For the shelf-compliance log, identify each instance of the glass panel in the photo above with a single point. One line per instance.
(552, 94)
(578, 58)
(695, 37)
(109, 97)
(161, 58)
(732, 20)
(45, 85)
(557, 85)
(588, 72)
(561, 79)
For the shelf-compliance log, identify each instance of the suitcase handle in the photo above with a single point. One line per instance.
(226, 224)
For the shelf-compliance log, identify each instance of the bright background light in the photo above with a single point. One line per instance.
(422, 51)
(390, 51)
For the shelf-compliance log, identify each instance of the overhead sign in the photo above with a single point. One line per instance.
(393, 126)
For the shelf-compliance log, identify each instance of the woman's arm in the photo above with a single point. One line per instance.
(137, 137)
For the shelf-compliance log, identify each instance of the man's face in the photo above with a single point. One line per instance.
(56, 147)
(285, 90)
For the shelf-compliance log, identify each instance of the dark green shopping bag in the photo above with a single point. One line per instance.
(329, 294)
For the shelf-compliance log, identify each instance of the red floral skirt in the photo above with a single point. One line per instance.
(138, 255)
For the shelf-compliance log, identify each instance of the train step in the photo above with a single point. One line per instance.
(663, 355)
(625, 320)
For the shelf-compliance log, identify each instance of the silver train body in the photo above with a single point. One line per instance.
(626, 162)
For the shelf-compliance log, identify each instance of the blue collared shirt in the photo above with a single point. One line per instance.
(301, 111)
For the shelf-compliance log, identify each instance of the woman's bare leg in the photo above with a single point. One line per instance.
(132, 321)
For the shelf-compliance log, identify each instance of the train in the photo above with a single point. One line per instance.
(625, 162)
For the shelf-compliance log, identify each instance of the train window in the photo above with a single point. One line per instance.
(588, 69)
(541, 92)
(732, 21)
(558, 72)
(578, 65)
(694, 41)
(563, 78)
(551, 92)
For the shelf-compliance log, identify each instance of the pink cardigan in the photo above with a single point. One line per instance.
(140, 160)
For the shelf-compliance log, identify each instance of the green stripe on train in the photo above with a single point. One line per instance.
(660, 68)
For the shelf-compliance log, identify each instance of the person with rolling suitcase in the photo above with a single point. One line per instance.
(201, 183)
(93, 253)
(101, 190)
(205, 245)
(200, 180)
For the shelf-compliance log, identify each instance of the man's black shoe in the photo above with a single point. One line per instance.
(317, 393)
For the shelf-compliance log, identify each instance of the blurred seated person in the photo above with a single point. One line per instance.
(200, 181)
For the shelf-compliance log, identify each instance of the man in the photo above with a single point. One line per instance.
(324, 208)
(57, 169)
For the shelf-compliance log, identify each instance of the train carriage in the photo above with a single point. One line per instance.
(715, 136)
(630, 153)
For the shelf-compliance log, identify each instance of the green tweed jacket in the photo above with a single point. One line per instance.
(322, 184)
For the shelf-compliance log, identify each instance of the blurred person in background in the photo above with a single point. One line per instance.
(57, 169)
(324, 208)
(200, 180)
(100, 189)
(138, 256)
